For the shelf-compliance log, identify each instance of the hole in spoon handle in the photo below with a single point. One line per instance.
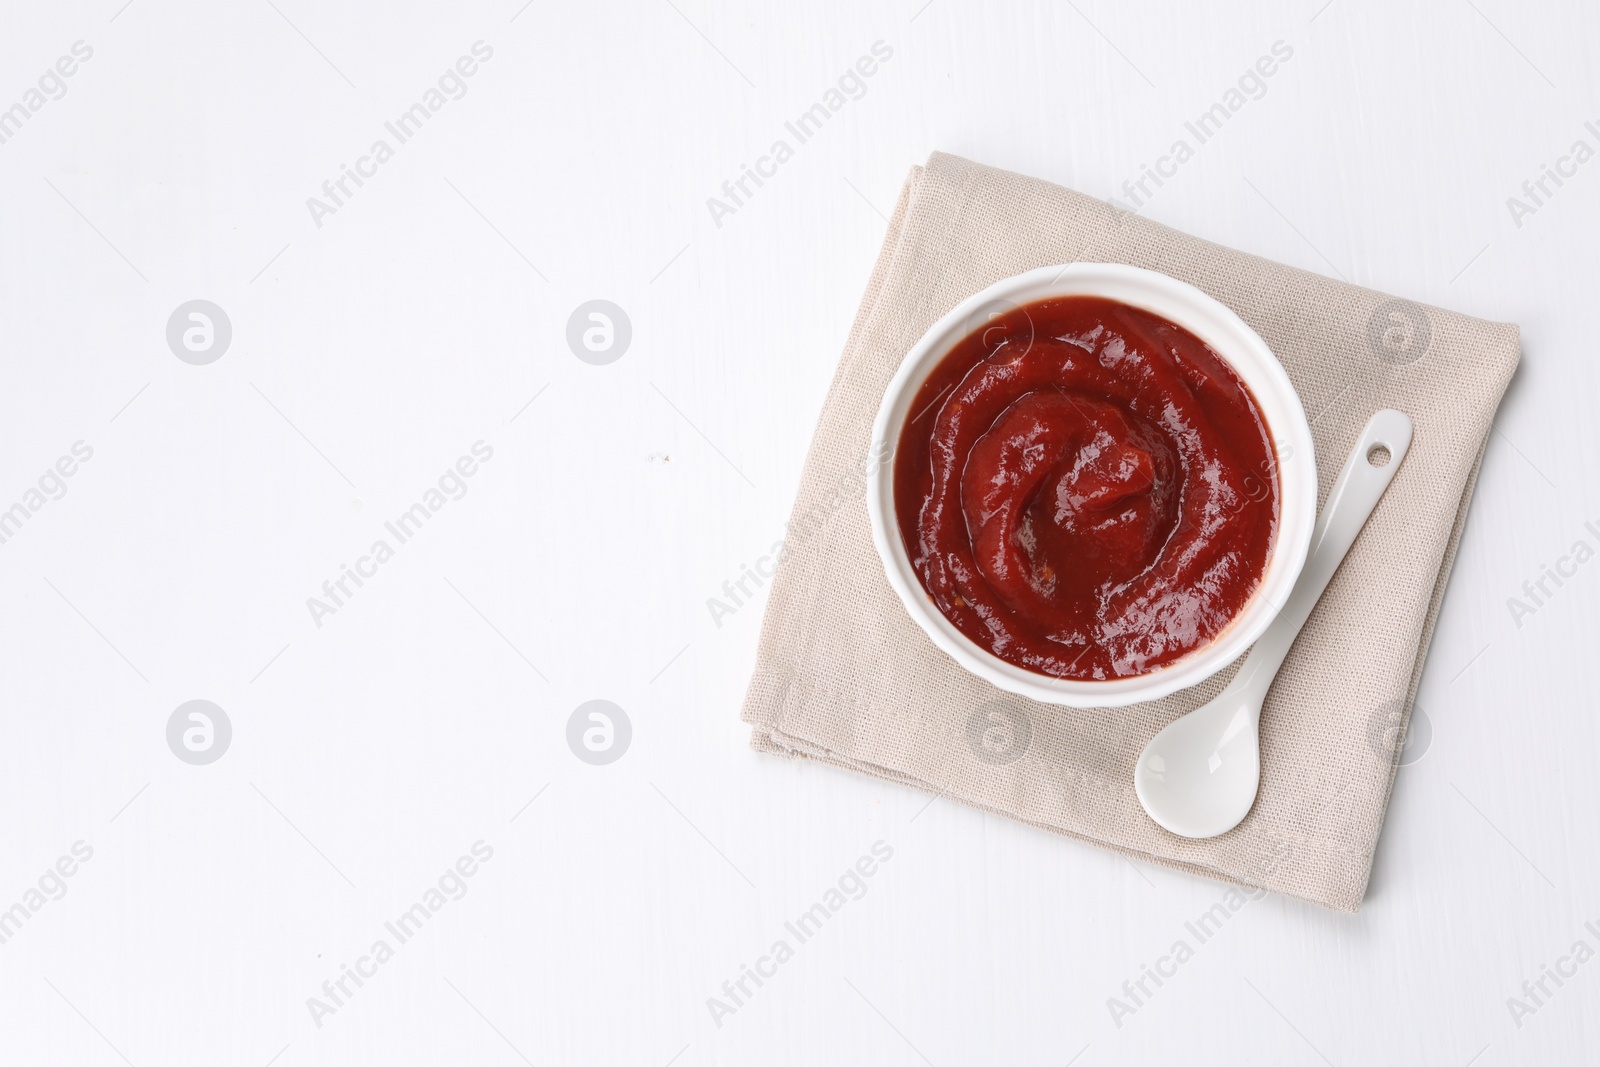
(1361, 483)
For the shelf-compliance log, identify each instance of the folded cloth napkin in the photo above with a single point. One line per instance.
(844, 676)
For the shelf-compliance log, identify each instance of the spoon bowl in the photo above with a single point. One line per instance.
(1198, 777)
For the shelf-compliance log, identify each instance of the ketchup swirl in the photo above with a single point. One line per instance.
(1086, 489)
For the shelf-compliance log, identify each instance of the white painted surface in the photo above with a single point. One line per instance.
(376, 749)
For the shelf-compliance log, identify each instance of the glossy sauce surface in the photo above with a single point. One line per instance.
(1086, 489)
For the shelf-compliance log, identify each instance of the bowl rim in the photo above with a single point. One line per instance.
(1238, 345)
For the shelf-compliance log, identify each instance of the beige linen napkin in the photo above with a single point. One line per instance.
(843, 675)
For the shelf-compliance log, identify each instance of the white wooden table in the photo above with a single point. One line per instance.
(390, 757)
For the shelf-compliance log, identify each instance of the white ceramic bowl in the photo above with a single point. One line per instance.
(1231, 339)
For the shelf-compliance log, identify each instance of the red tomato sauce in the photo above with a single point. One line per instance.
(1086, 489)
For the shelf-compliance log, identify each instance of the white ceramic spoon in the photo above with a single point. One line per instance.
(1198, 777)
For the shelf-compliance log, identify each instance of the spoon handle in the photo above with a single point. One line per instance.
(1354, 495)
